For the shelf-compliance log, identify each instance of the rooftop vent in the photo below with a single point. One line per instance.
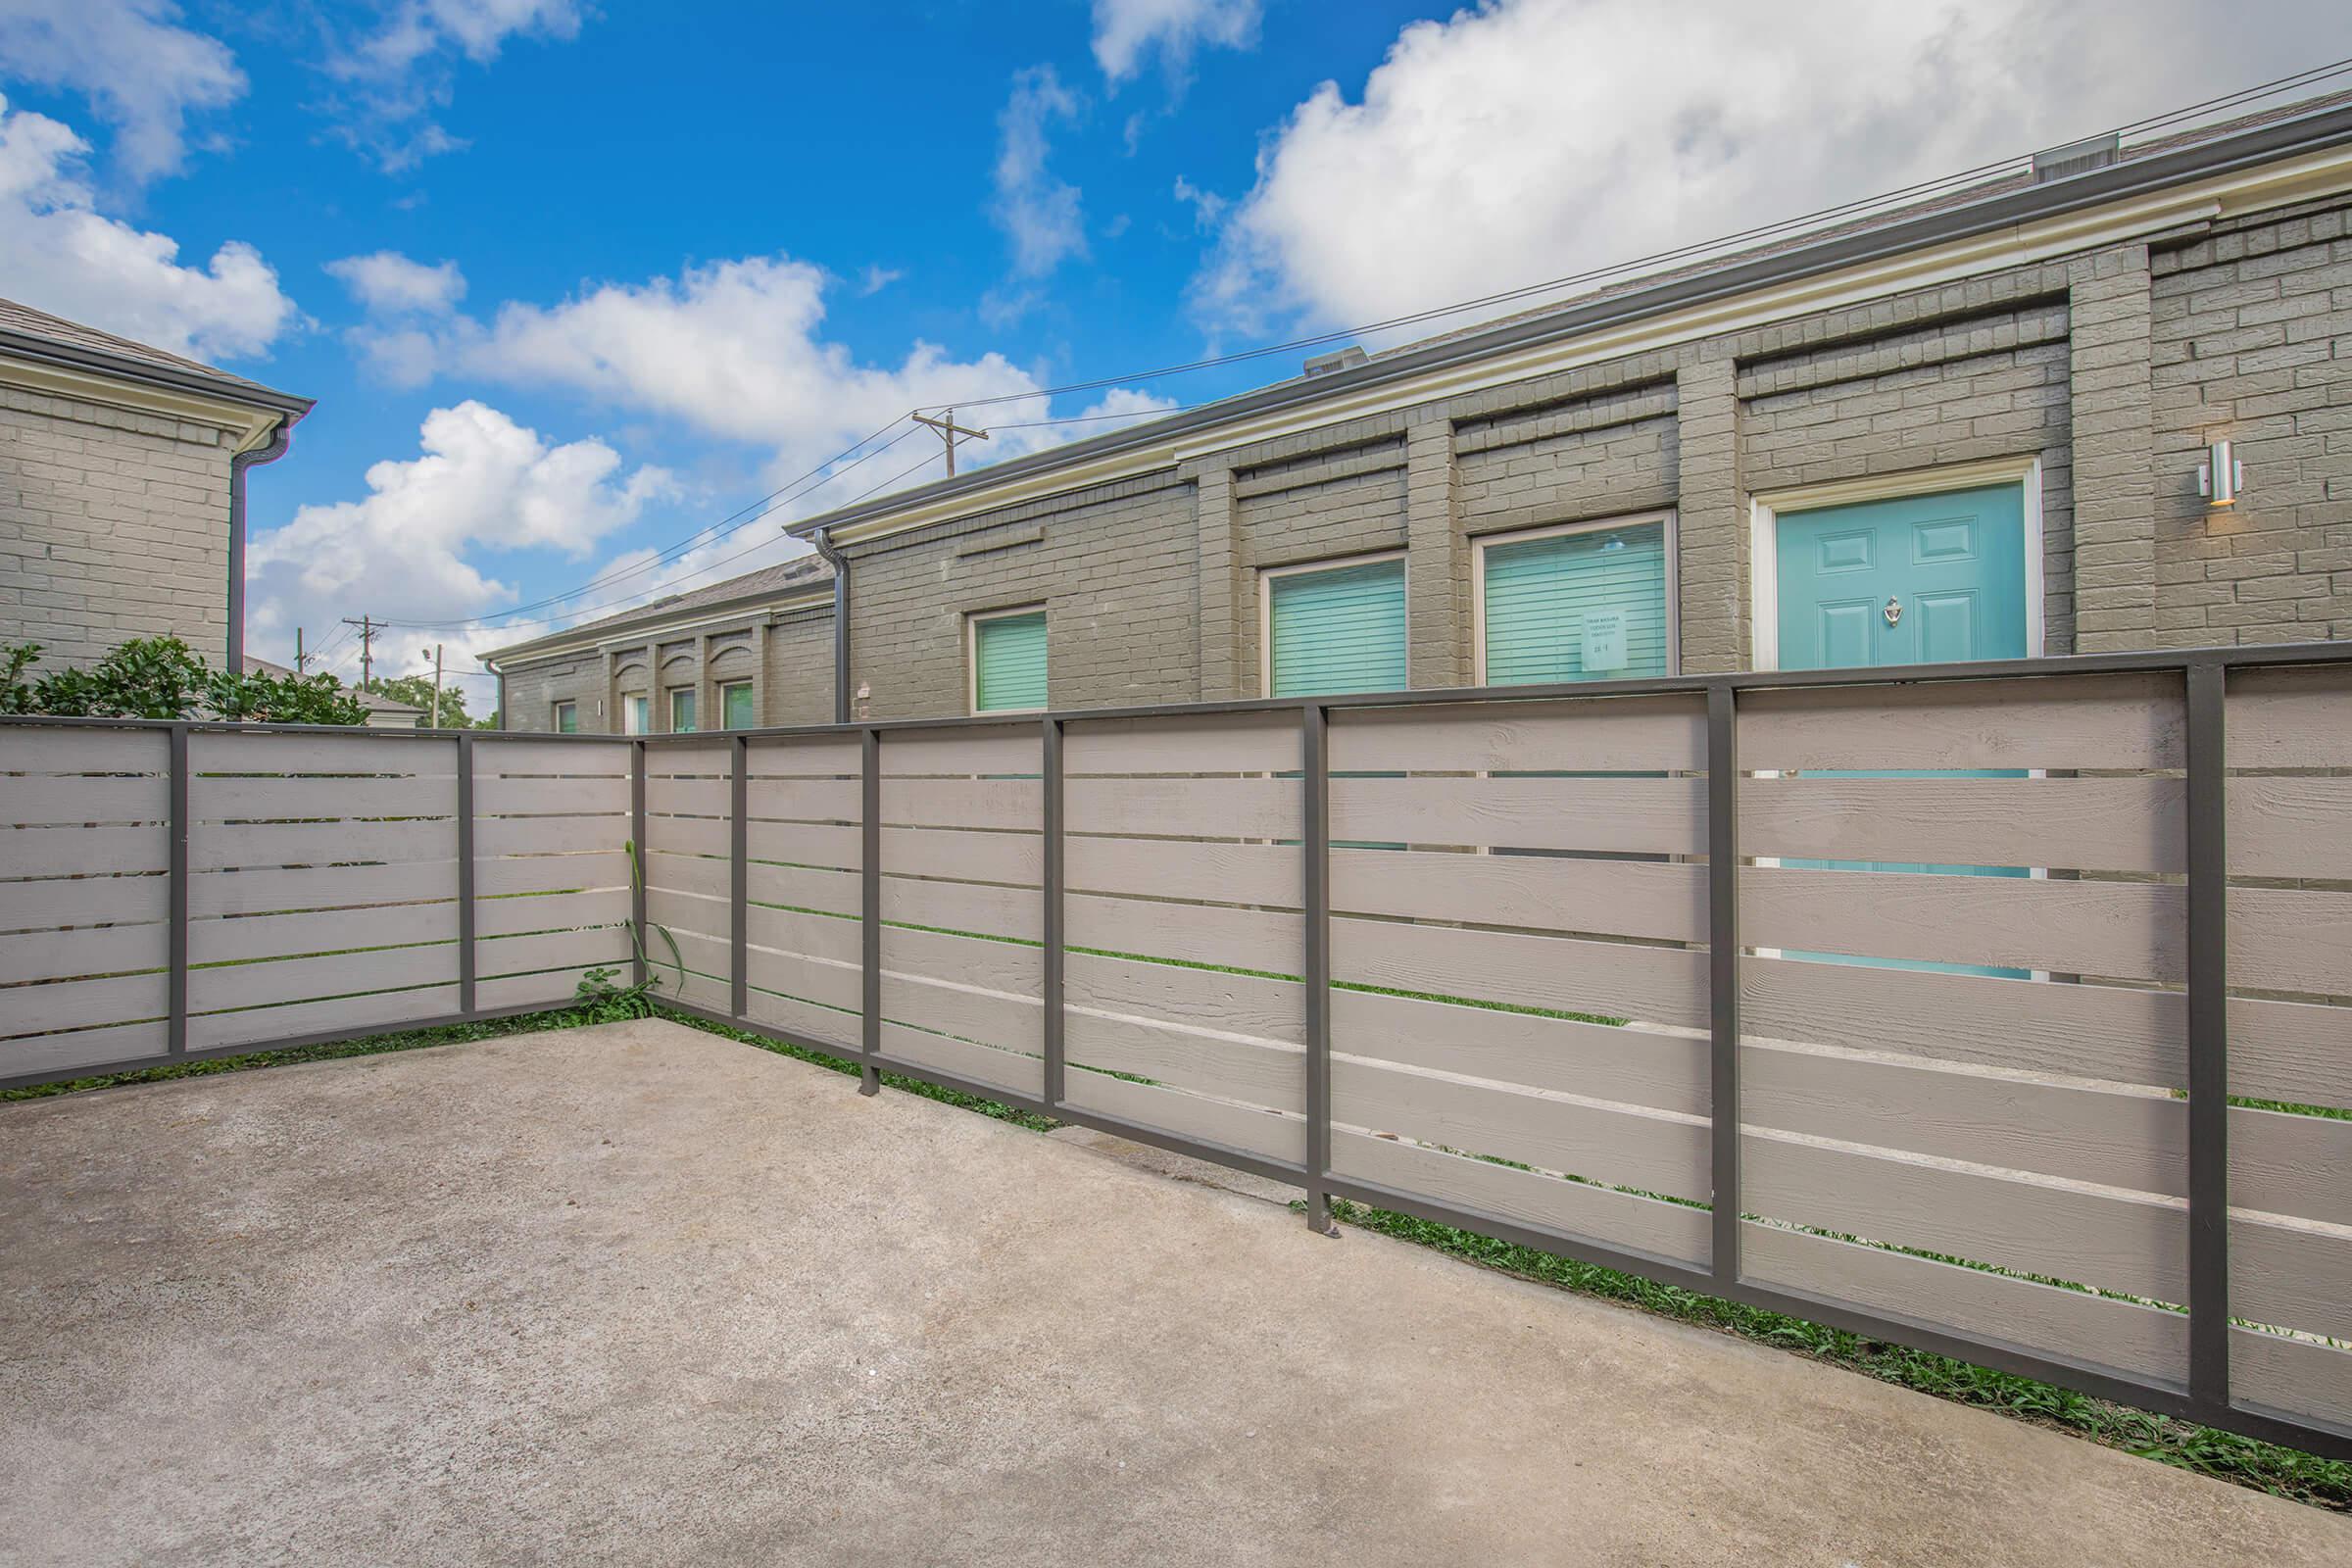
(2078, 157)
(1347, 359)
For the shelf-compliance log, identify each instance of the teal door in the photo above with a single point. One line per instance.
(1917, 580)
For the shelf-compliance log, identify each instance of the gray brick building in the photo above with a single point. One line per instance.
(123, 490)
(1970, 428)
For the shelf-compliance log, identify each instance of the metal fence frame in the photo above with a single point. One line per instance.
(2204, 1398)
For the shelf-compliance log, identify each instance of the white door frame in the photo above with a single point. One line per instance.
(1764, 534)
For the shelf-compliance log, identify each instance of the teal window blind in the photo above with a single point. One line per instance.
(1009, 661)
(567, 718)
(681, 710)
(1587, 606)
(735, 701)
(1340, 630)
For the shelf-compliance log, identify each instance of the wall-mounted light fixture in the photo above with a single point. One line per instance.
(2221, 476)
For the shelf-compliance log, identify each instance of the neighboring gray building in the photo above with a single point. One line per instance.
(1973, 427)
(123, 490)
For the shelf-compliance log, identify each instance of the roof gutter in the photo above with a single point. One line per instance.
(823, 540)
(2262, 145)
(275, 448)
(23, 346)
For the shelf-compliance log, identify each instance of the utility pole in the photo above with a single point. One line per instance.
(368, 630)
(436, 723)
(948, 431)
(302, 661)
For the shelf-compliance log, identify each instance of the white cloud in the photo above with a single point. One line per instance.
(59, 254)
(1039, 213)
(1529, 140)
(398, 76)
(1126, 32)
(389, 282)
(144, 74)
(415, 547)
(1207, 205)
(876, 277)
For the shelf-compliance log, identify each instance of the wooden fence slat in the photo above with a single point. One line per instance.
(810, 978)
(1653, 815)
(972, 803)
(218, 847)
(792, 934)
(2298, 1376)
(1174, 868)
(2103, 722)
(803, 799)
(2297, 1052)
(270, 800)
(1236, 743)
(802, 887)
(1198, 999)
(83, 1047)
(2290, 717)
(80, 1003)
(494, 795)
(58, 851)
(810, 1019)
(1609, 734)
(965, 752)
(981, 1064)
(1191, 932)
(806, 757)
(1256, 1132)
(551, 873)
(560, 950)
(494, 757)
(1661, 901)
(1635, 1066)
(2291, 939)
(550, 911)
(980, 908)
(987, 1017)
(83, 901)
(351, 753)
(1006, 966)
(260, 1026)
(2293, 1164)
(1254, 1071)
(2122, 930)
(63, 749)
(239, 939)
(41, 800)
(496, 836)
(1199, 808)
(2292, 1274)
(2104, 824)
(1601, 979)
(1014, 857)
(322, 978)
(832, 848)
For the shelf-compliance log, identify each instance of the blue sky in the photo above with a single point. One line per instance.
(572, 281)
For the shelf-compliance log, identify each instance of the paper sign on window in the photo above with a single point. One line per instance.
(1605, 639)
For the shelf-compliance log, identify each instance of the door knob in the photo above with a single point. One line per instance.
(1894, 610)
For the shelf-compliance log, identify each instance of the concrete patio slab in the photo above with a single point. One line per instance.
(640, 1294)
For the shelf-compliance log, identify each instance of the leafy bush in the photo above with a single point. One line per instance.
(163, 677)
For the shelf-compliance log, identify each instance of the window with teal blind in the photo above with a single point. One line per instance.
(1009, 661)
(1341, 629)
(735, 699)
(1582, 606)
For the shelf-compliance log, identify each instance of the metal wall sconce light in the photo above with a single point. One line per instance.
(2221, 476)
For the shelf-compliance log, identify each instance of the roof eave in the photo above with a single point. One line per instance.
(586, 637)
(228, 389)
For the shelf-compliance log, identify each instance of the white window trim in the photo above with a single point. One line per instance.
(749, 685)
(1265, 606)
(1633, 520)
(626, 711)
(1764, 535)
(972, 658)
(669, 708)
(556, 714)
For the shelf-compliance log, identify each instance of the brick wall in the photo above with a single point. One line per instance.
(112, 525)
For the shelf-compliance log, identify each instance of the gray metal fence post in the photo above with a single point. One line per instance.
(2208, 1039)
(1723, 972)
(1052, 990)
(467, 988)
(176, 1031)
(870, 872)
(638, 869)
(739, 882)
(1314, 846)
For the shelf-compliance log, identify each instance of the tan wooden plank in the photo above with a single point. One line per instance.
(982, 907)
(2297, 826)
(1597, 735)
(807, 759)
(276, 889)
(558, 949)
(1658, 900)
(805, 888)
(1198, 998)
(1002, 747)
(704, 760)
(26, 852)
(705, 982)
(1242, 1127)
(830, 1025)
(1175, 868)
(258, 1027)
(2118, 1033)
(234, 939)
(550, 911)
(799, 844)
(2106, 825)
(351, 753)
(1644, 815)
(2291, 939)
(2300, 1376)
(79, 953)
(341, 974)
(1656, 1152)
(2290, 1051)
(82, 901)
(551, 873)
(1193, 933)
(82, 1003)
(1636, 1066)
(549, 796)
(2027, 1225)
(1199, 743)
(2123, 1336)
(1202, 808)
(63, 748)
(689, 873)
(1253, 1071)
(510, 758)
(1598, 1214)
(2292, 1274)
(1011, 967)
(37, 800)
(960, 1059)
(2113, 1137)
(688, 835)
(985, 803)
(495, 836)
(83, 1047)
(803, 800)
(2119, 930)
(2287, 1164)
(687, 913)
(221, 847)
(1607, 979)
(554, 987)
(2107, 722)
(806, 978)
(985, 1017)
(2291, 717)
(1015, 858)
(707, 797)
(789, 933)
(276, 800)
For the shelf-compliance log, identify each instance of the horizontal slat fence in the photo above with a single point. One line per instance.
(2005, 1011)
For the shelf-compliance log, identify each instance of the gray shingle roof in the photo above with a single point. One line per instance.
(790, 576)
(21, 321)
